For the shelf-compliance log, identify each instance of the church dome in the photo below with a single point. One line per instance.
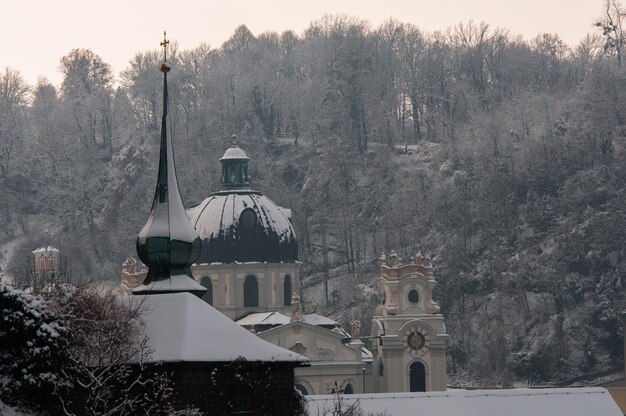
(244, 226)
(239, 224)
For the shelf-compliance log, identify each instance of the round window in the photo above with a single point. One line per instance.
(248, 218)
(414, 297)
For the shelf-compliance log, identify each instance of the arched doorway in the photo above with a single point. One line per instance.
(208, 295)
(287, 289)
(251, 292)
(417, 377)
(348, 389)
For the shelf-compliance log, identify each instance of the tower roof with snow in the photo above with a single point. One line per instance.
(168, 244)
(239, 224)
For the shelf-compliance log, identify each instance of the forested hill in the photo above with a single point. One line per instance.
(504, 158)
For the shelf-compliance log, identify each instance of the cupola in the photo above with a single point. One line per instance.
(234, 168)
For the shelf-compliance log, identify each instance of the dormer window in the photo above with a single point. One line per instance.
(248, 218)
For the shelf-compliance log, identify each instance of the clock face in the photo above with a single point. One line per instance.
(417, 341)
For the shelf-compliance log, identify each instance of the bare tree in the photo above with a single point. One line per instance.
(611, 24)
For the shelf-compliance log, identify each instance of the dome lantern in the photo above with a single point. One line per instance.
(234, 168)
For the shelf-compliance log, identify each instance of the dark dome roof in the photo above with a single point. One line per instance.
(243, 226)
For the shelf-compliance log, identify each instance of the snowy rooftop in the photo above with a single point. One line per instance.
(264, 318)
(315, 319)
(182, 327)
(46, 249)
(235, 153)
(510, 402)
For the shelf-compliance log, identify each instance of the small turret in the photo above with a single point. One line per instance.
(234, 168)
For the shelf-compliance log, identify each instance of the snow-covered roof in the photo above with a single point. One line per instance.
(510, 402)
(175, 283)
(235, 153)
(316, 319)
(46, 249)
(368, 357)
(182, 327)
(225, 239)
(264, 318)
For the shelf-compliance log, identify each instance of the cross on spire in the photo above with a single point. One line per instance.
(164, 44)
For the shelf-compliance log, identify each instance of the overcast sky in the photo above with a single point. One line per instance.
(35, 34)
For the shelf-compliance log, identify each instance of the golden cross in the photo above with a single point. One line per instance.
(164, 44)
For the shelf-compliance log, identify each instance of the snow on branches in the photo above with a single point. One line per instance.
(35, 364)
(77, 351)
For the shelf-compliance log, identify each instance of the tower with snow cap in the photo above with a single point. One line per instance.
(249, 259)
(212, 364)
(168, 244)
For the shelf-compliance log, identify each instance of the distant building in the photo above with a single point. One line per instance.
(47, 260)
(131, 276)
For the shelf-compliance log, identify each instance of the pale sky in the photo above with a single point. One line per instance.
(34, 35)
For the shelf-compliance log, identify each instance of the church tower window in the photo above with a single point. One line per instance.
(208, 295)
(287, 289)
(414, 296)
(251, 292)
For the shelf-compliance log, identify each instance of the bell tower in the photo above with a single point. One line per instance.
(408, 329)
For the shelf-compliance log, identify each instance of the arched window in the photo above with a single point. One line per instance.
(414, 296)
(417, 377)
(287, 289)
(302, 389)
(208, 295)
(250, 292)
(348, 389)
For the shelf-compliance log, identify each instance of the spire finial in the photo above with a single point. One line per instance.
(165, 67)
(234, 138)
(164, 44)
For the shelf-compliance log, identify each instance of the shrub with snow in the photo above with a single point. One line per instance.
(35, 365)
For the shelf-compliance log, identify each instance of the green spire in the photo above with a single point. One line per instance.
(168, 244)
